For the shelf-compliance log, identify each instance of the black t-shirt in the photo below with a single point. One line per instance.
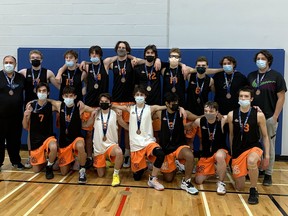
(11, 106)
(195, 99)
(101, 82)
(272, 83)
(41, 124)
(145, 76)
(226, 105)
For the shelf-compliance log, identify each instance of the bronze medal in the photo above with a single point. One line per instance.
(11, 92)
(258, 92)
(149, 88)
(197, 90)
(138, 131)
(228, 95)
(173, 89)
(96, 86)
(198, 100)
(104, 138)
(123, 80)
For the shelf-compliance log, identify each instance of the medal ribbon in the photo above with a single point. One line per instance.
(245, 122)
(72, 79)
(148, 74)
(105, 124)
(201, 88)
(35, 81)
(171, 127)
(228, 85)
(122, 71)
(139, 117)
(94, 74)
(211, 135)
(10, 82)
(67, 123)
(173, 78)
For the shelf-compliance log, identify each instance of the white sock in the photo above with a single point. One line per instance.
(49, 163)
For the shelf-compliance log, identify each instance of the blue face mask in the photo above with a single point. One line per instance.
(69, 101)
(94, 59)
(139, 99)
(261, 64)
(69, 63)
(244, 103)
(42, 96)
(227, 68)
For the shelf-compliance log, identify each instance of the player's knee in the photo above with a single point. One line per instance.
(160, 156)
(138, 175)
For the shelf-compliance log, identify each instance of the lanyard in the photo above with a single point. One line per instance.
(71, 80)
(122, 71)
(96, 75)
(211, 135)
(228, 85)
(242, 126)
(199, 89)
(10, 81)
(68, 118)
(105, 124)
(139, 117)
(36, 109)
(171, 126)
(148, 74)
(173, 79)
(258, 80)
(37, 80)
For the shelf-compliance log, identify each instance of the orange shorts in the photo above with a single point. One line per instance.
(38, 155)
(66, 155)
(239, 164)
(169, 165)
(138, 160)
(85, 116)
(125, 114)
(206, 166)
(156, 123)
(100, 160)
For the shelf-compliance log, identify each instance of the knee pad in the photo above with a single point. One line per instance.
(138, 175)
(160, 156)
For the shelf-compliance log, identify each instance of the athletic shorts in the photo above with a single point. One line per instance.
(100, 160)
(38, 155)
(138, 159)
(66, 155)
(125, 114)
(239, 164)
(156, 123)
(169, 165)
(206, 166)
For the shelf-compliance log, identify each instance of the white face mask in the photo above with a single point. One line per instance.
(139, 99)
(244, 103)
(261, 64)
(173, 61)
(42, 96)
(69, 101)
(9, 68)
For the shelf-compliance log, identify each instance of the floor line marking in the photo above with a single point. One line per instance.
(245, 205)
(122, 202)
(277, 205)
(206, 206)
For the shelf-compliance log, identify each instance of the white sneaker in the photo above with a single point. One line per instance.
(28, 165)
(180, 167)
(189, 187)
(82, 176)
(154, 183)
(127, 162)
(221, 190)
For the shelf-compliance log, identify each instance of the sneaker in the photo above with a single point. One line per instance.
(180, 167)
(154, 183)
(127, 162)
(221, 190)
(267, 180)
(82, 176)
(49, 172)
(89, 163)
(28, 165)
(253, 196)
(261, 174)
(116, 180)
(189, 187)
(18, 166)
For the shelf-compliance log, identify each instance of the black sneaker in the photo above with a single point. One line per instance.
(267, 180)
(253, 196)
(18, 166)
(49, 172)
(261, 173)
(82, 176)
(89, 163)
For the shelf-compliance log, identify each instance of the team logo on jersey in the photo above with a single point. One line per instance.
(29, 75)
(136, 165)
(204, 127)
(62, 161)
(165, 166)
(143, 72)
(34, 159)
(62, 110)
(236, 120)
(236, 169)
(200, 169)
(98, 119)
(164, 119)
(193, 83)
(133, 112)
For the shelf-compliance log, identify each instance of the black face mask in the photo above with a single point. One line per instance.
(175, 107)
(201, 70)
(35, 62)
(150, 58)
(104, 106)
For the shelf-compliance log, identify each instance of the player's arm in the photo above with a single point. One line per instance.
(120, 107)
(56, 105)
(61, 70)
(122, 123)
(230, 122)
(262, 124)
(26, 118)
(279, 105)
(23, 72)
(108, 62)
(52, 79)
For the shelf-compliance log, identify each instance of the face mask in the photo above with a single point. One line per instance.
(69, 63)
(210, 116)
(227, 68)
(94, 59)
(42, 96)
(261, 64)
(175, 107)
(69, 101)
(244, 103)
(150, 58)
(173, 62)
(35, 62)
(121, 53)
(201, 70)
(139, 99)
(9, 68)
(104, 106)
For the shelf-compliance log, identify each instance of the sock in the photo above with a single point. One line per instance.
(82, 167)
(127, 152)
(49, 163)
(116, 171)
(151, 177)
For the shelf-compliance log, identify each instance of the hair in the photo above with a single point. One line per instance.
(97, 49)
(171, 97)
(140, 88)
(267, 54)
(229, 58)
(248, 89)
(153, 48)
(41, 84)
(68, 90)
(35, 52)
(128, 48)
(10, 56)
(212, 105)
(202, 58)
(71, 52)
(176, 50)
(106, 95)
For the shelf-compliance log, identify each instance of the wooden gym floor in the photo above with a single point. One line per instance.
(28, 193)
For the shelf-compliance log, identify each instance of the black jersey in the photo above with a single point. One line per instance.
(149, 78)
(32, 80)
(97, 83)
(123, 81)
(228, 104)
(210, 145)
(72, 78)
(197, 95)
(173, 81)
(70, 129)
(171, 140)
(41, 124)
(249, 137)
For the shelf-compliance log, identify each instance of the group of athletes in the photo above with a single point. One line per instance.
(157, 122)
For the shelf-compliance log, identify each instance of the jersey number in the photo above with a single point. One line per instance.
(41, 116)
